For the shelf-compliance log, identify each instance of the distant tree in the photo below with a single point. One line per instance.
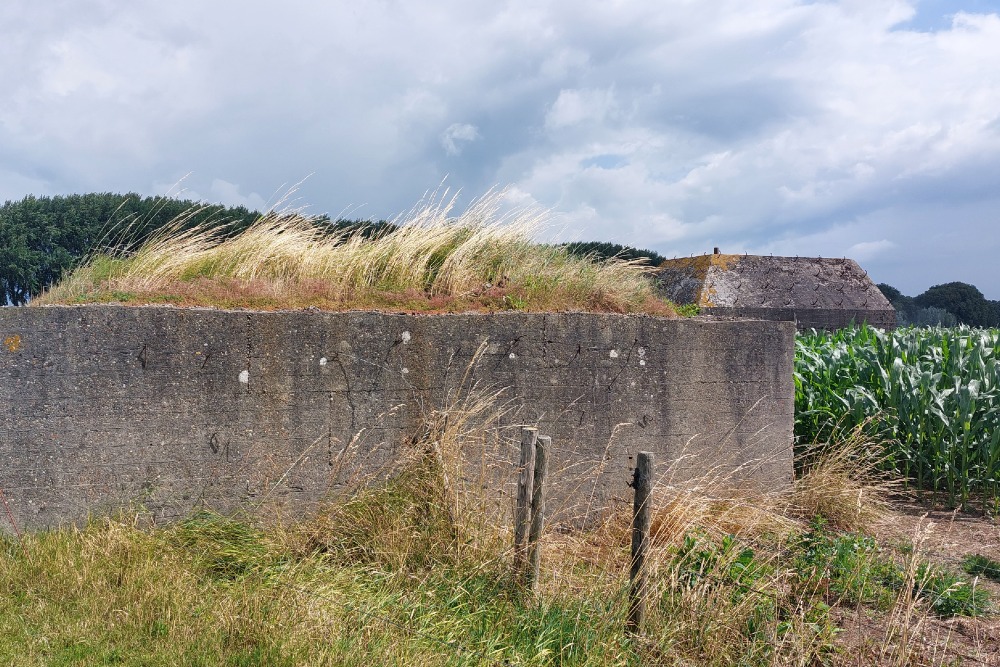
(601, 251)
(962, 300)
(908, 313)
(891, 293)
(930, 317)
(367, 228)
(43, 237)
(905, 308)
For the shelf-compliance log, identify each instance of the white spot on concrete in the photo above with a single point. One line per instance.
(405, 370)
(642, 352)
(614, 354)
(245, 377)
(642, 362)
(405, 336)
(512, 356)
(322, 361)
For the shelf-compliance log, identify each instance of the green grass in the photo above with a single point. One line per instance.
(413, 567)
(982, 566)
(215, 590)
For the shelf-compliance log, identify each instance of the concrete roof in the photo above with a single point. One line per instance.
(756, 281)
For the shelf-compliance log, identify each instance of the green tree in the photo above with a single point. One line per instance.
(600, 251)
(962, 300)
(909, 313)
(43, 237)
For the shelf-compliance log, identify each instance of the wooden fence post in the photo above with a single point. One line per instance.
(642, 482)
(542, 448)
(525, 482)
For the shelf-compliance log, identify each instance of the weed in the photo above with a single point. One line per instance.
(854, 568)
(687, 309)
(847, 568)
(948, 594)
(984, 566)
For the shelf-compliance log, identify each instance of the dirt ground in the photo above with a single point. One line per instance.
(944, 537)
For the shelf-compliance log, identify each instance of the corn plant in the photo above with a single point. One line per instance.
(932, 393)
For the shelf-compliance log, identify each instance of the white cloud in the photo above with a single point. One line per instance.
(574, 107)
(455, 133)
(763, 125)
(869, 249)
(229, 194)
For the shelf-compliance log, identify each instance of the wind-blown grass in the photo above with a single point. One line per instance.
(413, 568)
(480, 260)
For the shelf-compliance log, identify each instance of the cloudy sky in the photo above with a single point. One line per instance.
(860, 128)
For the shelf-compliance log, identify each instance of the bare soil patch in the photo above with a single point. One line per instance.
(944, 537)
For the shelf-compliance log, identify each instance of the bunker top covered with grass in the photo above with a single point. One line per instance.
(481, 260)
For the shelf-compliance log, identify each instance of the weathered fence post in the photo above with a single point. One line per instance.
(642, 482)
(542, 448)
(525, 484)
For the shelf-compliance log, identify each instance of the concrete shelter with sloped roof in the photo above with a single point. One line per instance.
(813, 292)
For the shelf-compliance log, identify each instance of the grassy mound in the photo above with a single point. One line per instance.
(481, 260)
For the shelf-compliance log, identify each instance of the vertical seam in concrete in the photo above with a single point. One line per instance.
(545, 337)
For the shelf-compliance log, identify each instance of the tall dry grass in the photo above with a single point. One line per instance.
(480, 259)
(412, 565)
(440, 501)
(845, 480)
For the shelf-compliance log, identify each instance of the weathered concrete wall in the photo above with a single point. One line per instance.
(103, 406)
(828, 319)
(813, 292)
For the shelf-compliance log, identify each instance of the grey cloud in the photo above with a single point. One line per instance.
(763, 125)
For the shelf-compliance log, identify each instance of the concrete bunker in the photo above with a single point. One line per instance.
(813, 292)
(169, 409)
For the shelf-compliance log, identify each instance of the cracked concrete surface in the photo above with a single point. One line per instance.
(103, 407)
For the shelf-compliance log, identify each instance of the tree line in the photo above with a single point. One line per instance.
(41, 238)
(944, 305)
(600, 251)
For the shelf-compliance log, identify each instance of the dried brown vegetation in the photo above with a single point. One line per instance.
(481, 260)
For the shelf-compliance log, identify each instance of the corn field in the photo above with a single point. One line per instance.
(931, 394)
